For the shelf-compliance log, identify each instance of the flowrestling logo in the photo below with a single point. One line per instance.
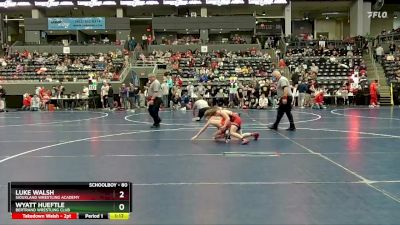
(378, 14)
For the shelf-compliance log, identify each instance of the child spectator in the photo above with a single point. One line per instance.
(262, 102)
(26, 102)
(319, 100)
(253, 102)
(176, 101)
(35, 103)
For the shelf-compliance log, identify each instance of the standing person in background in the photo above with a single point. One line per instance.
(104, 95)
(392, 48)
(2, 99)
(132, 97)
(123, 95)
(165, 92)
(85, 97)
(154, 99)
(379, 52)
(144, 41)
(190, 90)
(132, 44)
(110, 97)
(170, 83)
(373, 92)
(285, 101)
(302, 88)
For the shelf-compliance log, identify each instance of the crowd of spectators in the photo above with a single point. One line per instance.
(64, 67)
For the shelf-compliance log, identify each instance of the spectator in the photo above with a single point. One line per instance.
(35, 103)
(61, 67)
(26, 102)
(190, 90)
(392, 48)
(176, 102)
(110, 96)
(165, 92)
(373, 91)
(302, 88)
(262, 102)
(19, 69)
(2, 99)
(104, 95)
(253, 101)
(314, 68)
(379, 52)
(319, 100)
(123, 94)
(132, 44)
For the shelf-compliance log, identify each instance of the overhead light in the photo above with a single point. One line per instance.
(266, 2)
(52, 3)
(9, 3)
(91, 3)
(65, 3)
(132, 3)
(109, 3)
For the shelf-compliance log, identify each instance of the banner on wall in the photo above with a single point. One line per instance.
(204, 48)
(84, 23)
(66, 50)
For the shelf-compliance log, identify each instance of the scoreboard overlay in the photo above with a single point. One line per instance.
(69, 200)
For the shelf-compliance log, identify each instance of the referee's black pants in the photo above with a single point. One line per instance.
(153, 111)
(282, 109)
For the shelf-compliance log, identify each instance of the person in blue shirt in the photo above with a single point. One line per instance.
(302, 93)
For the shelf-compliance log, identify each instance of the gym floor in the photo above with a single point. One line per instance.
(341, 166)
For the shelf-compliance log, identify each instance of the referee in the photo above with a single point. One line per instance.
(154, 97)
(285, 101)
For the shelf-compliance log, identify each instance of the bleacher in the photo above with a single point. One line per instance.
(390, 67)
(31, 67)
(331, 75)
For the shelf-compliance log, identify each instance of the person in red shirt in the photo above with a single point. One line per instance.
(319, 100)
(373, 92)
(214, 64)
(26, 102)
(178, 81)
(282, 64)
